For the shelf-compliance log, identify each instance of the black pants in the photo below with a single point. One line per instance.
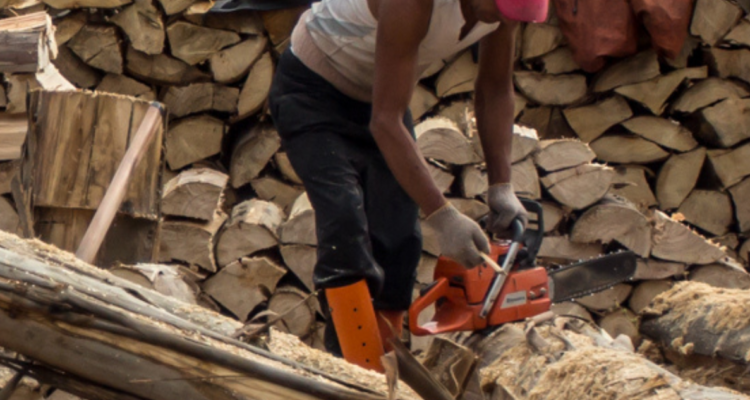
(367, 226)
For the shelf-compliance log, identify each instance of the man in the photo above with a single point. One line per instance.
(340, 103)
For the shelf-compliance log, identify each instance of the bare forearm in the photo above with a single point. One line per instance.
(495, 124)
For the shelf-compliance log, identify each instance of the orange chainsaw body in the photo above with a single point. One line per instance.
(458, 294)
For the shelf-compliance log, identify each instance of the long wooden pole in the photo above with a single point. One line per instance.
(105, 214)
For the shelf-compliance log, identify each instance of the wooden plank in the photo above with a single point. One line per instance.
(13, 128)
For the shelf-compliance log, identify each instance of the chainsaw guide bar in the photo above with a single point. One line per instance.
(588, 277)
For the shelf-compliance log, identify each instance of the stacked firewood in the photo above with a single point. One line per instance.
(647, 155)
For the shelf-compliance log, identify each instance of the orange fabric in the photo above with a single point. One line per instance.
(396, 321)
(356, 325)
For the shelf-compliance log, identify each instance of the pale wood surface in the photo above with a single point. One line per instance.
(191, 242)
(730, 166)
(731, 63)
(677, 177)
(720, 276)
(561, 248)
(614, 220)
(13, 128)
(645, 292)
(75, 70)
(624, 149)
(726, 123)
(630, 183)
(559, 154)
(557, 90)
(559, 61)
(579, 187)
(300, 259)
(67, 26)
(161, 68)
(664, 132)
(540, 39)
(441, 139)
(231, 64)
(193, 44)
(705, 93)
(299, 319)
(638, 68)
(457, 77)
(607, 299)
(143, 25)
(271, 189)
(590, 122)
(525, 179)
(121, 84)
(740, 194)
(99, 47)
(256, 88)
(655, 92)
(252, 152)
(709, 210)
(201, 97)
(300, 227)
(673, 241)
(194, 193)
(251, 227)
(422, 100)
(193, 139)
(713, 19)
(651, 269)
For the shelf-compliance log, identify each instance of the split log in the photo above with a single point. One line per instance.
(256, 88)
(525, 142)
(647, 291)
(19, 85)
(460, 111)
(638, 68)
(142, 23)
(121, 84)
(553, 215)
(614, 220)
(724, 124)
(744, 251)
(172, 7)
(457, 77)
(608, 299)
(561, 153)
(8, 171)
(537, 118)
(740, 193)
(279, 23)
(161, 68)
(571, 309)
(9, 221)
(581, 186)
(13, 129)
(240, 21)
(191, 242)
(473, 209)
(559, 61)
(251, 227)
(27, 43)
(50, 78)
(274, 190)
(590, 122)
(730, 63)
(525, 179)
(622, 322)
(68, 26)
(561, 249)
(194, 193)
(473, 181)
(654, 93)
(709, 210)
(441, 139)
(301, 260)
(673, 241)
(650, 269)
(252, 152)
(194, 44)
(298, 319)
(721, 276)
(75, 70)
(678, 177)
(442, 176)
(730, 166)
(169, 280)
(201, 97)
(68, 4)
(630, 183)
(422, 100)
(193, 139)
(243, 284)
(664, 132)
(555, 90)
(705, 93)
(540, 39)
(740, 34)
(285, 167)
(300, 227)
(625, 149)
(99, 47)
(712, 20)
(232, 64)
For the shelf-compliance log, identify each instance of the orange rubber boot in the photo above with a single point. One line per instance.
(393, 328)
(356, 325)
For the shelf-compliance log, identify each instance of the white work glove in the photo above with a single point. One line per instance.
(504, 208)
(460, 238)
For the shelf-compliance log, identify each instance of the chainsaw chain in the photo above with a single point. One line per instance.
(588, 291)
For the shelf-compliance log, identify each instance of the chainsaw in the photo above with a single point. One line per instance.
(509, 286)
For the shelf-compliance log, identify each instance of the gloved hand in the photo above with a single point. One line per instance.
(460, 238)
(504, 208)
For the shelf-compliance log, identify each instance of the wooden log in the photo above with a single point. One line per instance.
(473, 181)
(555, 90)
(559, 61)
(12, 135)
(537, 118)
(739, 193)
(525, 179)
(193, 44)
(562, 249)
(244, 284)
(299, 320)
(654, 93)
(193, 139)
(571, 309)
(256, 88)
(724, 124)
(473, 209)
(240, 21)
(99, 47)
(730, 63)
(194, 193)
(705, 93)
(28, 43)
(19, 85)
(232, 64)
(720, 276)
(744, 251)
(645, 292)
(608, 299)
(75, 70)
(709, 210)
(553, 215)
(274, 190)
(251, 227)
(161, 68)
(285, 167)
(673, 241)
(561, 153)
(740, 34)
(650, 269)
(172, 7)
(540, 39)
(581, 186)
(68, 26)
(663, 132)
(622, 322)
(50, 78)
(730, 166)
(191, 242)
(68, 4)
(169, 280)
(279, 23)
(301, 259)
(638, 68)
(9, 221)
(8, 171)
(624, 149)
(630, 183)
(422, 100)
(300, 227)
(590, 122)
(713, 19)
(441, 175)
(142, 24)
(201, 97)
(614, 220)
(678, 176)
(441, 139)
(252, 152)
(457, 77)
(121, 84)
(525, 142)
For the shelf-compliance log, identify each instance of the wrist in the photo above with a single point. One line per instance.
(435, 209)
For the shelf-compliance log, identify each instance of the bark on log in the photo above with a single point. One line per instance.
(194, 193)
(457, 77)
(638, 68)
(713, 19)
(705, 93)
(630, 183)
(142, 23)
(441, 139)
(590, 122)
(724, 124)
(99, 47)
(194, 44)
(251, 154)
(251, 227)
(27, 43)
(614, 220)
(740, 193)
(678, 177)
(624, 149)
(201, 97)
(561, 153)
(730, 166)
(554, 90)
(661, 131)
(191, 242)
(161, 68)
(256, 88)
(673, 241)
(301, 259)
(654, 93)
(709, 210)
(231, 65)
(581, 186)
(300, 227)
(193, 139)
